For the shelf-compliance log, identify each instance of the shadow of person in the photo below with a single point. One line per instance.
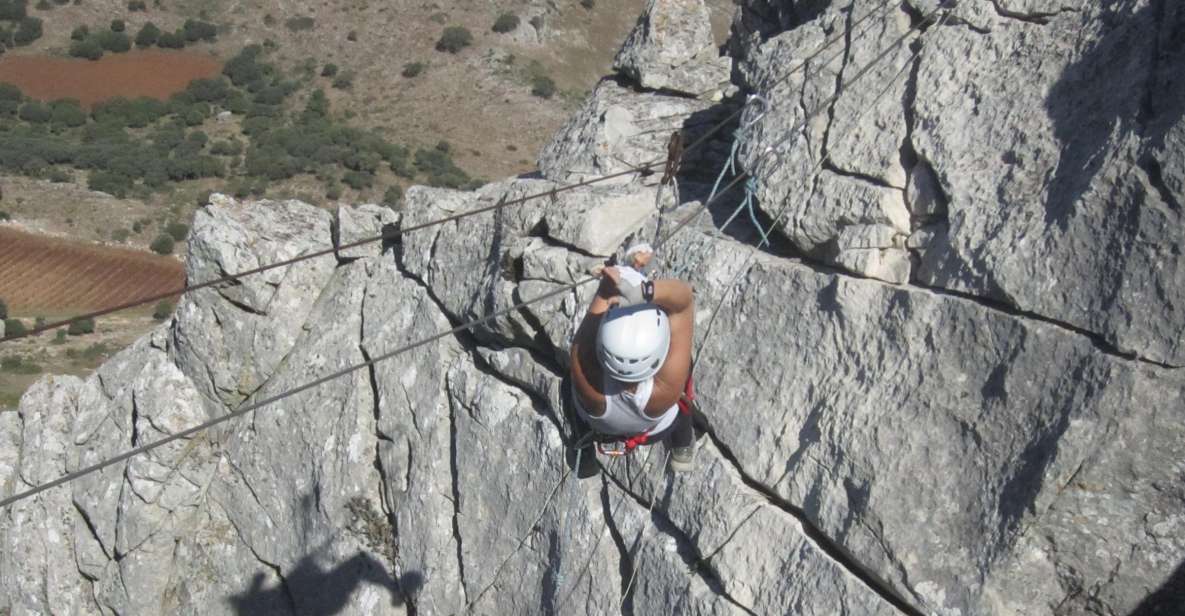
(1127, 82)
(1168, 600)
(310, 589)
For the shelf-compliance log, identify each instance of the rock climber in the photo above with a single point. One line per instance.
(631, 363)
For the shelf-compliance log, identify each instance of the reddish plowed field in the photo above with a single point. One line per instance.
(45, 275)
(156, 74)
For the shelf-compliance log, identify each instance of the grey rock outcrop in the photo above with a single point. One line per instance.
(898, 422)
(1045, 181)
(672, 48)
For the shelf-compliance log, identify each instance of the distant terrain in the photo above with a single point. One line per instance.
(118, 117)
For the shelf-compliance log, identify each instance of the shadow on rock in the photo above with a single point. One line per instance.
(309, 589)
(1168, 600)
(1127, 82)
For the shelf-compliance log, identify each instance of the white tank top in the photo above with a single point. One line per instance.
(625, 413)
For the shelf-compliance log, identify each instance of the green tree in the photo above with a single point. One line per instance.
(506, 22)
(393, 197)
(27, 31)
(88, 48)
(79, 33)
(170, 40)
(542, 86)
(81, 326)
(3, 309)
(177, 230)
(14, 327)
(454, 38)
(196, 30)
(67, 113)
(13, 10)
(116, 42)
(163, 310)
(118, 25)
(110, 182)
(9, 92)
(148, 35)
(137, 5)
(35, 113)
(300, 24)
(411, 69)
(162, 245)
(329, 70)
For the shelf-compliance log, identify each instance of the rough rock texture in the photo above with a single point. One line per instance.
(900, 422)
(672, 48)
(1035, 143)
(618, 129)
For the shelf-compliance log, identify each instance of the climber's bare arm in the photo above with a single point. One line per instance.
(675, 297)
(586, 368)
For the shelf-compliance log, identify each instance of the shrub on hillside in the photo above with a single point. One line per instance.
(178, 230)
(170, 40)
(137, 5)
(118, 25)
(13, 10)
(588, 4)
(9, 92)
(196, 30)
(35, 113)
(67, 113)
(393, 197)
(88, 48)
(244, 68)
(27, 31)
(3, 309)
(299, 24)
(14, 327)
(358, 180)
(542, 86)
(80, 33)
(454, 39)
(344, 81)
(16, 365)
(109, 182)
(329, 70)
(506, 22)
(162, 245)
(116, 42)
(44, 5)
(81, 326)
(148, 35)
(411, 69)
(163, 310)
(230, 147)
(208, 90)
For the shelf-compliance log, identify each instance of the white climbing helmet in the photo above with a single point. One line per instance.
(633, 342)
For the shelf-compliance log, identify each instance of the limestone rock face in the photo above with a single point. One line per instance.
(920, 400)
(618, 130)
(672, 48)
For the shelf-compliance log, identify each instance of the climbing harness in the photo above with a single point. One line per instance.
(616, 446)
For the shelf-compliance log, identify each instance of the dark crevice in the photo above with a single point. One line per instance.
(1040, 18)
(1100, 342)
(839, 82)
(831, 548)
(686, 548)
(240, 305)
(90, 525)
(627, 81)
(288, 596)
(855, 175)
(540, 231)
(625, 563)
(1152, 169)
(454, 470)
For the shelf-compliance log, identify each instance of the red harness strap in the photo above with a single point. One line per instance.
(633, 442)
